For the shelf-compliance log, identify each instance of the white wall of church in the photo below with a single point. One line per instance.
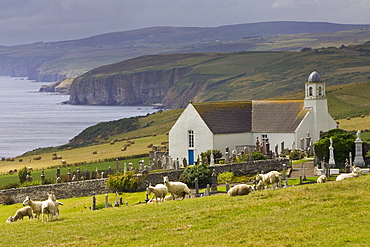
(179, 136)
(307, 125)
(231, 141)
(276, 138)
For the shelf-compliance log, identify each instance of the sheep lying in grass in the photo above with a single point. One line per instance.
(159, 191)
(26, 211)
(271, 178)
(177, 188)
(322, 179)
(356, 172)
(240, 189)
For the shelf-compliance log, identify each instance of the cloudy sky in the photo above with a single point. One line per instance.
(29, 21)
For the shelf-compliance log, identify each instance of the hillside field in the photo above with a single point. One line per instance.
(331, 214)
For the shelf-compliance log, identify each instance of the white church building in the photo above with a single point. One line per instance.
(238, 124)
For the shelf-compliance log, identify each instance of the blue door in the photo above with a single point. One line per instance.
(191, 157)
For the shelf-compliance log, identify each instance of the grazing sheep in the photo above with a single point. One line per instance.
(26, 211)
(271, 178)
(159, 191)
(36, 206)
(356, 172)
(177, 188)
(322, 179)
(240, 189)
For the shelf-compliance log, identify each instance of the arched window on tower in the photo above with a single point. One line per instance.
(310, 91)
(320, 91)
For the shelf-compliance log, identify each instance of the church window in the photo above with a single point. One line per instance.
(264, 137)
(310, 91)
(320, 91)
(191, 138)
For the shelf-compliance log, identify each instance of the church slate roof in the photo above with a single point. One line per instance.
(280, 116)
(228, 117)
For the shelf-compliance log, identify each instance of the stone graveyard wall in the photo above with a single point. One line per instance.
(98, 186)
(61, 190)
(253, 167)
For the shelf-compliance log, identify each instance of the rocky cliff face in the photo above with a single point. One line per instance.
(142, 88)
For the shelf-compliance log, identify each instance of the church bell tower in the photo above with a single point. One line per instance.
(315, 100)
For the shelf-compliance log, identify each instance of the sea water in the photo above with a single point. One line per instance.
(30, 119)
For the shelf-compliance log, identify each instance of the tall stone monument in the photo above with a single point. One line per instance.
(331, 154)
(359, 159)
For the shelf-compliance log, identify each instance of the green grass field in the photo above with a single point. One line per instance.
(331, 214)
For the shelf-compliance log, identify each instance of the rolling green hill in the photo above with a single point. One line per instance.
(175, 79)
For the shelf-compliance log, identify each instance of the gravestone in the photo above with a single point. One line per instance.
(257, 146)
(106, 201)
(214, 181)
(93, 207)
(69, 175)
(227, 157)
(117, 202)
(331, 154)
(42, 176)
(276, 154)
(347, 167)
(87, 175)
(196, 184)
(245, 150)
(302, 143)
(212, 159)
(78, 174)
(233, 156)
(359, 159)
(118, 168)
(28, 177)
(58, 172)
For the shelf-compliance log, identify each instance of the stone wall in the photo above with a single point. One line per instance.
(62, 190)
(98, 186)
(253, 167)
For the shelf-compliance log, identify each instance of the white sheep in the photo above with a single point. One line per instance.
(177, 188)
(322, 179)
(48, 208)
(26, 211)
(159, 191)
(356, 172)
(240, 189)
(41, 207)
(271, 178)
(36, 206)
(56, 203)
